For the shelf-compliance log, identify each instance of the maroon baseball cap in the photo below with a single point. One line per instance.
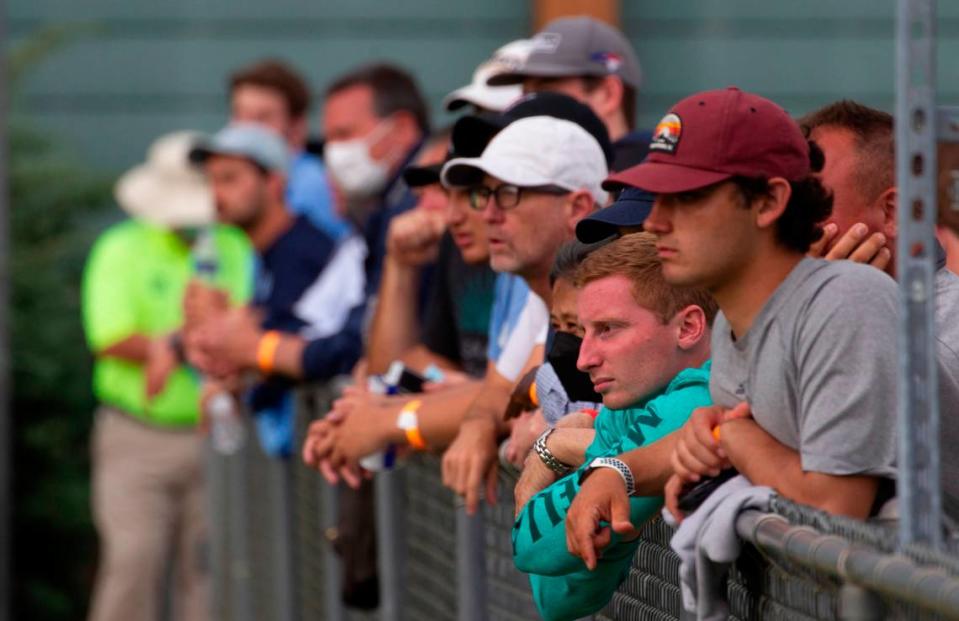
(714, 135)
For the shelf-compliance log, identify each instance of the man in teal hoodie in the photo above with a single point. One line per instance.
(646, 347)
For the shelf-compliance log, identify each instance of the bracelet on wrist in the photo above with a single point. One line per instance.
(266, 351)
(176, 344)
(547, 457)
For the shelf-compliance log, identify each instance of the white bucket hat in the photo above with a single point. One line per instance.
(167, 190)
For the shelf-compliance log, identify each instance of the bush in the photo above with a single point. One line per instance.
(57, 207)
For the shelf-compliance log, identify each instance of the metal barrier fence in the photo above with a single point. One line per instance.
(272, 559)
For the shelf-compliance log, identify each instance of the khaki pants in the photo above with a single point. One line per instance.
(149, 509)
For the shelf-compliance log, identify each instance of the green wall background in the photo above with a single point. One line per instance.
(144, 68)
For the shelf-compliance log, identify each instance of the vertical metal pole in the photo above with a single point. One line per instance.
(283, 571)
(332, 581)
(916, 121)
(240, 566)
(390, 552)
(217, 534)
(6, 501)
(470, 565)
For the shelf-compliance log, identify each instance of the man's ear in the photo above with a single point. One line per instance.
(580, 205)
(887, 202)
(771, 207)
(276, 186)
(607, 98)
(691, 327)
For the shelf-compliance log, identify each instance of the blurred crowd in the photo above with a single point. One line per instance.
(634, 320)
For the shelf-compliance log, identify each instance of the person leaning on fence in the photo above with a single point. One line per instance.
(374, 122)
(594, 63)
(646, 347)
(453, 337)
(519, 318)
(555, 393)
(305, 318)
(537, 178)
(147, 480)
(271, 93)
(449, 330)
(859, 170)
(803, 380)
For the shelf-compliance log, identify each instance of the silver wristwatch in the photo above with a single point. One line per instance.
(617, 465)
(547, 457)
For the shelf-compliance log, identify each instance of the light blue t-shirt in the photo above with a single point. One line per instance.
(308, 193)
(519, 321)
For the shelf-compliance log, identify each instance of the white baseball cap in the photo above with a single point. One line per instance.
(536, 151)
(494, 98)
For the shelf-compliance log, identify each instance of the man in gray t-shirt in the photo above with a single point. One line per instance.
(858, 144)
(804, 351)
(817, 367)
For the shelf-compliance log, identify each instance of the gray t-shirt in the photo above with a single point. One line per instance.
(818, 367)
(947, 334)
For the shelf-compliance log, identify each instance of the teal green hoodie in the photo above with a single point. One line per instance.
(562, 586)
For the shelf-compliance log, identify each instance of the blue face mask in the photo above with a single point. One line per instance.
(563, 356)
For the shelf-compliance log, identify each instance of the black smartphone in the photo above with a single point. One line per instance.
(695, 495)
(403, 379)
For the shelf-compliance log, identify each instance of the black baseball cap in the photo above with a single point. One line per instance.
(630, 209)
(419, 176)
(473, 132)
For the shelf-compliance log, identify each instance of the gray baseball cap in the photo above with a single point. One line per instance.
(577, 46)
(257, 143)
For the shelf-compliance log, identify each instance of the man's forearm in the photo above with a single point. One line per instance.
(395, 327)
(134, 348)
(288, 360)
(439, 414)
(765, 461)
(569, 445)
(650, 465)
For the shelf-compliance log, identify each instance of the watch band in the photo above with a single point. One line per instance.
(617, 465)
(547, 457)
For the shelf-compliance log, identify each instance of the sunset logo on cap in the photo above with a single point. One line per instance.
(667, 133)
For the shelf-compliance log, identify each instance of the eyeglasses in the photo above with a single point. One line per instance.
(507, 195)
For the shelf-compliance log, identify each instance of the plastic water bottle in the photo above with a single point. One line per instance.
(206, 263)
(226, 429)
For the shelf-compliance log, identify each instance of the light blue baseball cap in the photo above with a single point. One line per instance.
(257, 143)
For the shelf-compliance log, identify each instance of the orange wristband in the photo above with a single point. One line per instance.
(716, 432)
(415, 439)
(408, 421)
(266, 351)
(533, 396)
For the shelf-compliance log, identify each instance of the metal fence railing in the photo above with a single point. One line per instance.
(272, 558)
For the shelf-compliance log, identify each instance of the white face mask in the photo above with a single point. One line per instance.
(356, 173)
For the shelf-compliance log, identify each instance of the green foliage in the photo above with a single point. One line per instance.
(56, 207)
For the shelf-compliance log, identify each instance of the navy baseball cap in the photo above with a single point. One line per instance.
(630, 209)
(472, 133)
